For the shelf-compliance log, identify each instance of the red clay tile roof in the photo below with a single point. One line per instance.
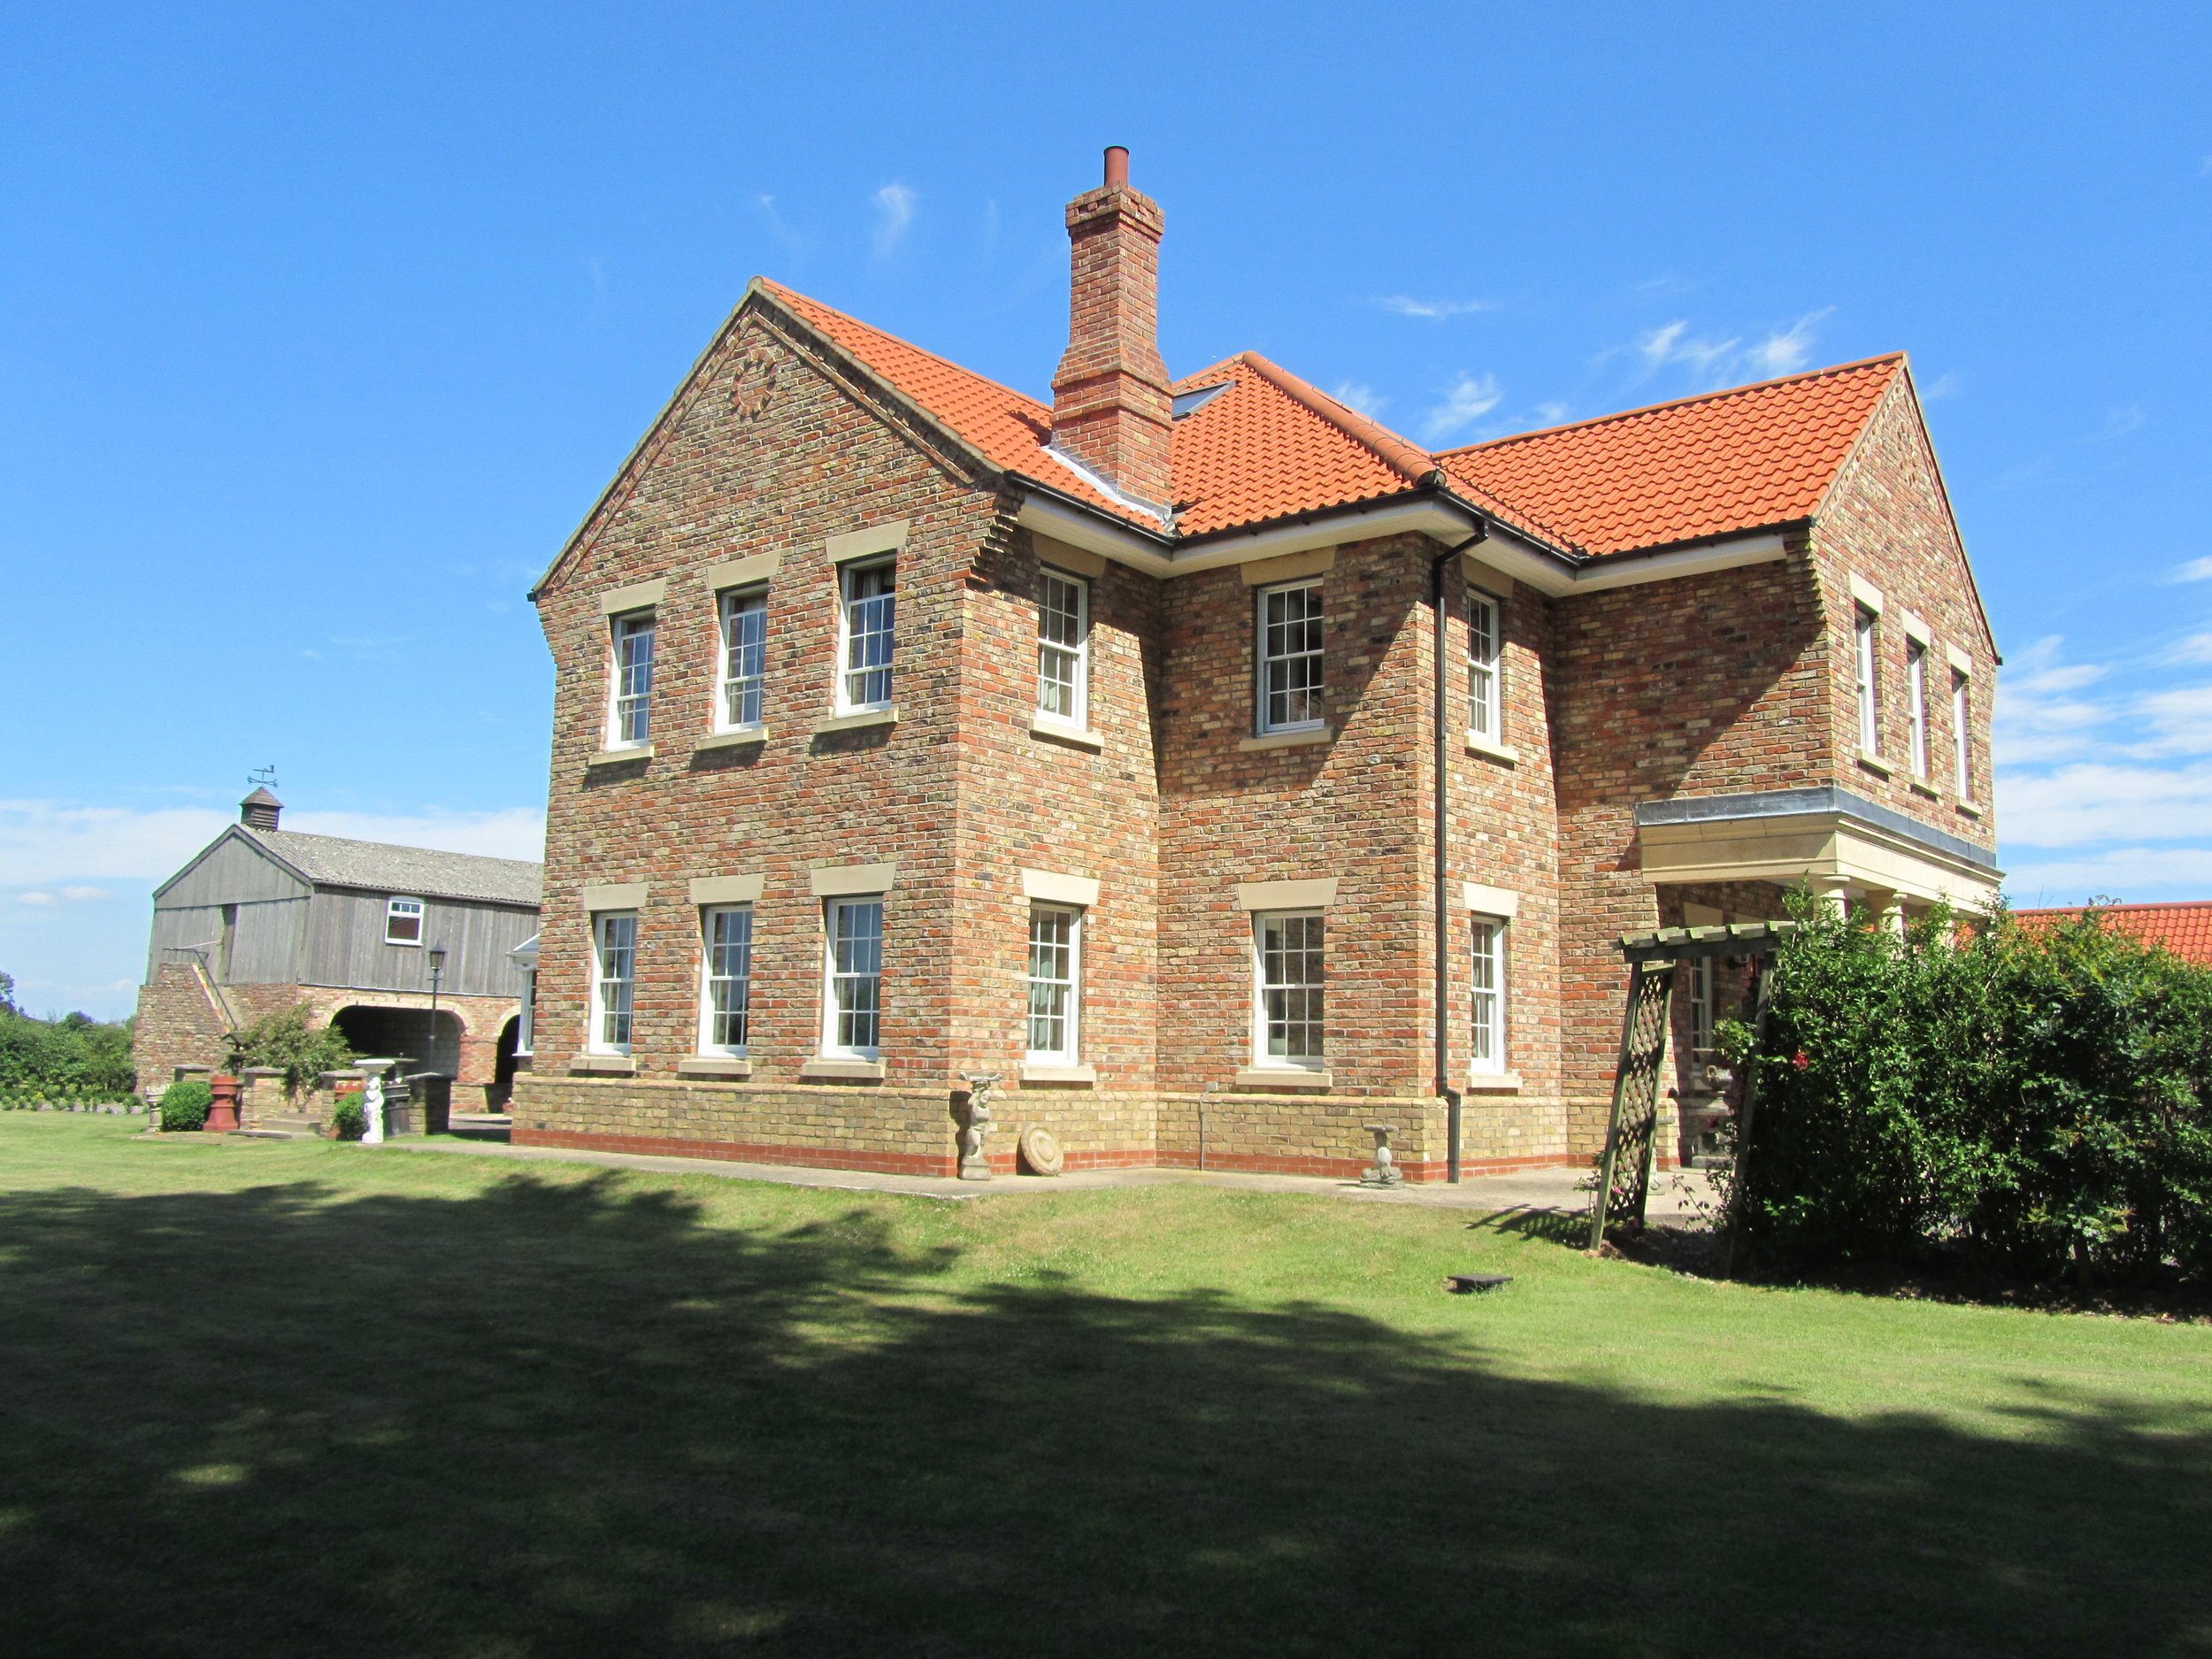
(1007, 429)
(1258, 452)
(2185, 928)
(1272, 447)
(1717, 464)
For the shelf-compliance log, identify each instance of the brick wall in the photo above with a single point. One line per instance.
(1706, 685)
(1719, 684)
(1887, 521)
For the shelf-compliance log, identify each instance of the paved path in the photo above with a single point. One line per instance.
(1532, 1189)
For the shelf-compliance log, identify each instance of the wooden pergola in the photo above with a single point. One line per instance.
(1652, 958)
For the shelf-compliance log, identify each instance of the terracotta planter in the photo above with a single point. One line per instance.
(222, 1116)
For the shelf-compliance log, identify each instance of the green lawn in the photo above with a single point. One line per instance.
(307, 1399)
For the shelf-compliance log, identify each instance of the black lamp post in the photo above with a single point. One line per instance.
(436, 953)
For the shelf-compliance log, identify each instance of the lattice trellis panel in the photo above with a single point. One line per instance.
(1636, 1083)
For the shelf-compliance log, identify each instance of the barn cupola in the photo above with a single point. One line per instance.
(259, 810)
(1110, 402)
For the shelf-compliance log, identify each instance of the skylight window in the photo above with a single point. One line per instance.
(1191, 402)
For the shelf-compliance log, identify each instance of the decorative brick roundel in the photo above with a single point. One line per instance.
(755, 385)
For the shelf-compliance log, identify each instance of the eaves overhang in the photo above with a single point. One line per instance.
(1437, 514)
(1827, 835)
(234, 831)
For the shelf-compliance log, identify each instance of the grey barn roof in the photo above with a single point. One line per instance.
(415, 871)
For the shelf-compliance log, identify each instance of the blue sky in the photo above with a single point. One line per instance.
(323, 325)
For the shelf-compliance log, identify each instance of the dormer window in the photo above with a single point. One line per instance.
(402, 921)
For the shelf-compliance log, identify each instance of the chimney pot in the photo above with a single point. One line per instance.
(1112, 409)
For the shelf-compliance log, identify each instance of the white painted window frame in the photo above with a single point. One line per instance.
(1077, 655)
(832, 909)
(1262, 1059)
(709, 1044)
(1486, 657)
(1486, 1002)
(606, 925)
(1916, 706)
(622, 703)
(1962, 733)
(1866, 661)
(750, 600)
(1320, 687)
(527, 1017)
(1072, 1019)
(393, 912)
(849, 576)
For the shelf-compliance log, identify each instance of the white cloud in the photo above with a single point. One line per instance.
(1713, 363)
(42, 842)
(1436, 311)
(1552, 414)
(894, 211)
(1366, 399)
(2196, 649)
(1785, 352)
(1948, 384)
(2126, 874)
(2094, 801)
(2180, 722)
(1468, 398)
(66, 896)
(514, 831)
(2037, 718)
(1666, 345)
(2194, 571)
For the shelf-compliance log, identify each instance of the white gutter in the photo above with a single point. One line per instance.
(1443, 522)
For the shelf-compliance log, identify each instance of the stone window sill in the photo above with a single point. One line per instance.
(1932, 793)
(1967, 807)
(1282, 1077)
(857, 722)
(1073, 1075)
(850, 1070)
(618, 756)
(1078, 737)
(734, 740)
(1874, 764)
(613, 1064)
(1480, 745)
(1493, 1082)
(713, 1066)
(1287, 740)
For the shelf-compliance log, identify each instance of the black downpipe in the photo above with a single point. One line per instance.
(1442, 971)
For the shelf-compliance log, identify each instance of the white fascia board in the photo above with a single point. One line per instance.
(1695, 561)
(1442, 522)
(1092, 532)
(1432, 518)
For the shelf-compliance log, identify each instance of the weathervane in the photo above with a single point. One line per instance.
(262, 777)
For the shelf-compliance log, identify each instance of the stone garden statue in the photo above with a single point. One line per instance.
(975, 1166)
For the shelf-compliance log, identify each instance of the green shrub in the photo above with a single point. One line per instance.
(348, 1120)
(185, 1103)
(285, 1040)
(2036, 1099)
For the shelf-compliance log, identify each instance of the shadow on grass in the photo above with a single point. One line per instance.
(562, 1419)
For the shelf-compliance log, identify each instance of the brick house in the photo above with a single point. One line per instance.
(261, 918)
(1218, 767)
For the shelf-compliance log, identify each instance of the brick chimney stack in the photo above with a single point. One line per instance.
(259, 810)
(1110, 403)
